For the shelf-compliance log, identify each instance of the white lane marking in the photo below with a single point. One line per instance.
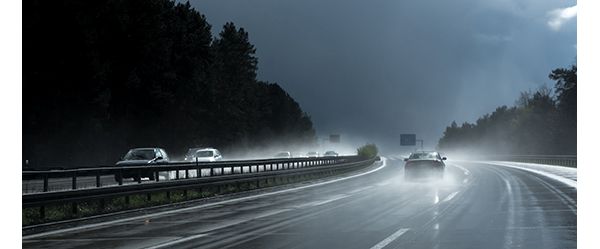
(177, 241)
(143, 217)
(321, 202)
(100, 239)
(359, 189)
(390, 238)
(227, 224)
(566, 181)
(465, 171)
(383, 183)
(450, 196)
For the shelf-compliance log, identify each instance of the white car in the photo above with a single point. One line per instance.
(312, 154)
(283, 154)
(205, 155)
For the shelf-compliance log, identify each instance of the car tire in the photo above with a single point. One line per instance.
(118, 178)
(151, 177)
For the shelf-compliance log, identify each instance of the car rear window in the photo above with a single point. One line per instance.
(140, 155)
(430, 155)
(204, 153)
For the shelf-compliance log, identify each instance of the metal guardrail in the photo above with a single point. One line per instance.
(560, 160)
(256, 170)
(180, 170)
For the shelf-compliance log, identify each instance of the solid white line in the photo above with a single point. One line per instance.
(390, 238)
(177, 241)
(339, 197)
(450, 196)
(564, 180)
(107, 223)
(466, 171)
(359, 189)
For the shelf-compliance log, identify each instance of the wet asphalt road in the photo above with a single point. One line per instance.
(475, 206)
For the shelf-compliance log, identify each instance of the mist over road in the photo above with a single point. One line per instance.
(477, 205)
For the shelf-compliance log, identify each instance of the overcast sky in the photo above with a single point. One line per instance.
(373, 69)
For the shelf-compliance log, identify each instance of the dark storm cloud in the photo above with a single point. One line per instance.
(375, 69)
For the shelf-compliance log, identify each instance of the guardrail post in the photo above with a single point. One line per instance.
(45, 182)
(74, 180)
(139, 176)
(120, 176)
(187, 174)
(97, 180)
(156, 175)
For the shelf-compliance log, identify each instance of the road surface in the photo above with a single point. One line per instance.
(476, 205)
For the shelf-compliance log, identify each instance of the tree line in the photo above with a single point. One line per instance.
(100, 77)
(541, 122)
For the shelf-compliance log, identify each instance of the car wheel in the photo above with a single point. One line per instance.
(151, 177)
(118, 178)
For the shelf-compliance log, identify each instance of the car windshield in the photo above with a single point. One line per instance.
(204, 153)
(282, 154)
(430, 155)
(330, 152)
(145, 154)
(191, 151)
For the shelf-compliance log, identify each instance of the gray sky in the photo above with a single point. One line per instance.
(372, 69)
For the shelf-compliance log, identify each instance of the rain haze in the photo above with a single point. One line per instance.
(299, 124)
(371, 70)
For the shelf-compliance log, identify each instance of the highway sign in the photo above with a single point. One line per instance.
(408, 139)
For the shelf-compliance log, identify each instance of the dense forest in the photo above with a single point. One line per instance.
(541, 122)
(103, 76)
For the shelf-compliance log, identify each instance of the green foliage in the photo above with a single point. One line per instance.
(539, 123)
(367, 151)
(101, 77)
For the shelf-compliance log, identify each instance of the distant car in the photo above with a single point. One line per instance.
(424, 164)
(283, 154)
(140, 157)
(312, 154)
(206, 155)
(189, 155)
(331, 153)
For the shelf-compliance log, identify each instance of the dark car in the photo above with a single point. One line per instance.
(424, 164)
(141, 157)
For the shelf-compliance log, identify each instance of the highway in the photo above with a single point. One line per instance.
(476, 205)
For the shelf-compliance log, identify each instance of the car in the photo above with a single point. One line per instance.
(331, 153)
(139, 157)
(206, 155)
(189, 155)
(424, 164)
(312, 154)
(283, 154)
